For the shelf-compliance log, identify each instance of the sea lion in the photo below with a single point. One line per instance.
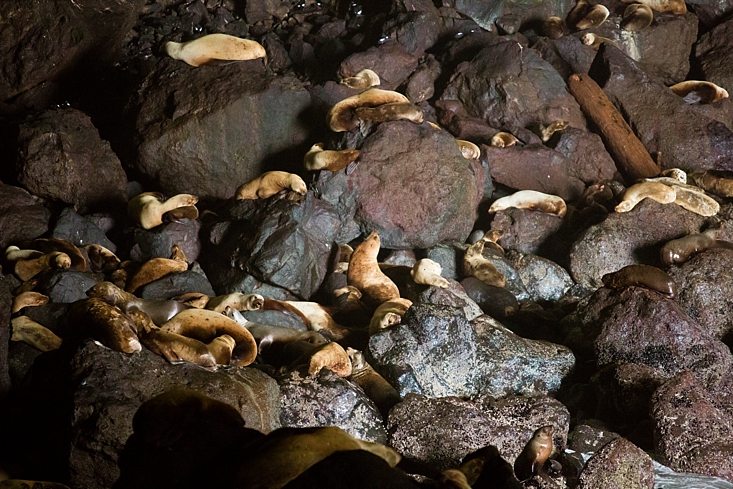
(13, 254)
(503, 140)
(674, 6)
(396, 111)
(554, 28)
(388, 314)
(365, 275)
(531, 200)
(374, 385)
(269, 184)
(546, 131)
(320, 318)
(641, 276)
(193, 299)
(49, 245)
(453, 479)
(27, 269)
(694, 199)
(28, 298)
(468, 150)
(680, 250)
(595, 41)
(214, 48)
(173, 347)
(478, 266)
(157, 268)
(341, 117)
(318, 158)
(594, 17)
(364, 79)
(636, 17)
(106, 324)
(101, 259)
(160, 311)
(237, 300)
(577, 13)
(147, 208)
(180, 213)
(718, 182)
(535, 453)
(659, 192)
(222, 348)
(34, 334)
(331, 356)
(699, 92)
(266, 335)
(427, 272)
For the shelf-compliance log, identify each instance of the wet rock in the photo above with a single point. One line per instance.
(545, 280)
(80, 230)
(390, 60)
(177, 284)
(437, 433)
(512, 87)
(713, 53)
(401, 257)
(329, 400)
(215, 107)
(618, 465)
(377, 197)
(64, 286)
(263, 10)
(624, 391)
(662, 120)
(514, 282)
(158, 242)
(691, 434)
(279, 242)
(107, 387)
(61, 157)
(586, 156)
(527, 231)
(52, 315)
(627, 238)
(22, 216)
(703, 283)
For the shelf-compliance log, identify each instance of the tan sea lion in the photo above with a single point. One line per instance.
(397, 111)
(374, 385)
(106, 324)
(594, 17)
(193, 299)
(718, 182)
(214, 48)
(674, 6)
(318, 158)
(34, 334)
(341, 116)
(364, 79)
(269, 184)
(147, 209)
(699, 92)
(101, 259)
(27, 269)
(476, 265)
(222, 348)
(469, 150)
(320, 318)
(535, 453)
(546, 131)
(180, 213)
(453, 479)
(365, 275)
(694, 199)
(595, 41)
(331, 356)
(637, 16)
(641, 276)
(531, 200)
(577, 13)
(237, 300)
(659, 192)
(157, 268)
(388, 314)
(28, 299)
(503, 140)
(427, 272)
(49, 245)
(554, 28)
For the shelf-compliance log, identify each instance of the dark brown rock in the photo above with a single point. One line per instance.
(710, 13)
(421, 84)
(587, 158)
(416, 31)
(262, 10)
(22, 216)
(158, 242)
(81, 230)
(618, 465)
(390, 60)
(6, 301)
(713, 52)
(567, 55)
(527, 231)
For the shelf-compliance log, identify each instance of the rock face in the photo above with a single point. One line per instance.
(206, 132)
(618, 465)
(713, 54)
(381, 193)
(6, 301)
(110, 386)
(22, 216)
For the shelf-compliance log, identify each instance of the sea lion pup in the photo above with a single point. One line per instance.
(388, 314)
(718, 182)
(28, 298)
(101, 259)
(427, 272)
(503, 140)
(637, 16)
(674, 6)
(469, 150)
(237, 300)
(535, 453)
(475, 264)
(595, 16)
(546, 131)
(680, 250)
(173, 347)
(49, 245)
(106, 324)
(396, 111)
(341, 117)
(365, 275)
(205, 325)
(34, 334)
(531, 200)
(222, 348)
(157, 268)
(699, 92)
(214, 48)
(659, 192)
(159, 311)
(554, 28)
(265, 334)
(147, 209)
(269, 184)
(595, 41)
(318, 158)
(364, 79)
(374, 385)
(285, 453)
(641, 276)
(27, 269)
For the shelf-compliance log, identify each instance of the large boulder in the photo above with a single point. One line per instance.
(22, 216)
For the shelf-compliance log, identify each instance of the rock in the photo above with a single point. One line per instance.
(436, 434)
(624, 391)
(586, 438)
(627, 238)
(22, 216)
(446, 257)
(453, 296)
(6, 301)
(263, 10)
(486, 14)
(618, 465)
(586, 156)
(495, 301)
(107, 387)
(215, 107)
(691, 434)
(567, 55)
(512, 87)
(80, 230)
(390, 60)
(528, 231)
(416, 31)
(663, 121)
(64, 286)
(713, 53)
(710, 13)
(158, 242)
(177, 283)
(61, 157)
(545, 280)
(514, 282)
(329, 400)
(378, 198)
(421, 84)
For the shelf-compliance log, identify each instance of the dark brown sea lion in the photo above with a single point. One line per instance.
(535, 453)
(642, 276)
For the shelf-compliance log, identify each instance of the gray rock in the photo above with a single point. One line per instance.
(485, 14)
(710, 13)
(453, 296)
(158, 242)
(527, 231)
(618, 465)
(6, 301)
(545, 280)
(64, 286)
(587, 438)
(81, 230)
(63, 158)
(437, 433)
(446, 256)
(514, 282)
(714, 55)
(329, 400)
(495, 301)
(22, 216)
(216, 107)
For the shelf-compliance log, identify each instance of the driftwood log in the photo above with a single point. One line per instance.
(631, 157)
